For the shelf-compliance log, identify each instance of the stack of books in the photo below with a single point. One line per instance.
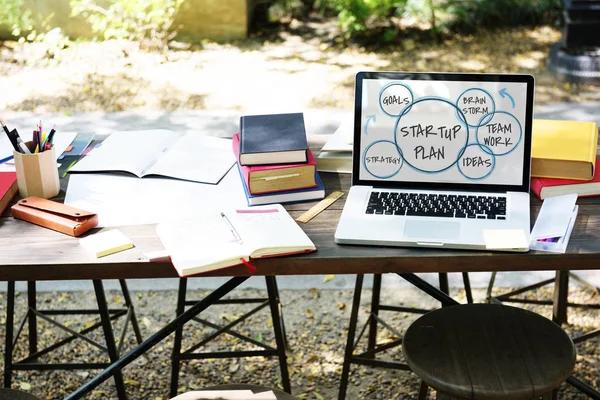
(274, 160)
(336, 155)
(563, 158)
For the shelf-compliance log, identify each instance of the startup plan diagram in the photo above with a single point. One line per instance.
(465, 137)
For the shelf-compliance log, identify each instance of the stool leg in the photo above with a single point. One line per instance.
(553, 395)
(375, 300)
(31, 317)
(443, 279)
(177, 340)
(109, 336)
(467, 283)
(561, 293)
(275, 304)
(488, 296)
(423, 391)
(8, 340)
(129, 304)
(444, 285)
(350, 340)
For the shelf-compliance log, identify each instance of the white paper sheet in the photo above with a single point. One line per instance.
(196, 158)
(342, 138)
(120, 199)
(226, 395)
(554, 217)
(62, 140)
(557, 244)
(131, 151)
(217, 394)
(505, 239)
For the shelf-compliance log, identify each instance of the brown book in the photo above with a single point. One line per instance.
(276, 178)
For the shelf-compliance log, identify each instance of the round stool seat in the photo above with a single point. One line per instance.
(12, 394)
(489, 351)
(280, 395)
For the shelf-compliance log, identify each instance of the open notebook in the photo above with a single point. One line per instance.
(222, 239)
(161, 152)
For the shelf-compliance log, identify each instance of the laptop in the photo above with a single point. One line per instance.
(440, 160)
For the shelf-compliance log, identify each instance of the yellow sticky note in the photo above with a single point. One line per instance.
(505, 239)
(106, 242)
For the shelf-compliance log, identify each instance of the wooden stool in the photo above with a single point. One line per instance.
(488, 351)
(369, 357)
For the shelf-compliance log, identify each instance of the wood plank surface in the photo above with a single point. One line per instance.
(28, 251)
(489, 351)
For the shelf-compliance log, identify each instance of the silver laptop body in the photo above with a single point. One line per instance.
(439, 159)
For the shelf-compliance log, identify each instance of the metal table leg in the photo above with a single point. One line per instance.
(429, 289)
(158, 337)
(32, 320)
(8, 344)
(350, 340)
(175, 355)
(109, 336)
(278, 327)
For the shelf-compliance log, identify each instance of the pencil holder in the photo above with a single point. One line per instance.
(37, 174)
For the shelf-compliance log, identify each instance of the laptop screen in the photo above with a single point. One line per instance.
(449, 131)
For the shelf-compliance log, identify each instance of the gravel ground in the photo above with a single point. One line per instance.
(316, 322)
(286, 67)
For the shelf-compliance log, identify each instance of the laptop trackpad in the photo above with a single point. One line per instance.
(438, 230)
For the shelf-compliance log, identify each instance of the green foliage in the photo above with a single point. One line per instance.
(15, 16)
(364, 17)
(280, 9)
(354, 16)
(137, 20)
(470, 14)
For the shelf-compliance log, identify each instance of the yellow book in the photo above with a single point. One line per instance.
(564, 149)
(106, 242)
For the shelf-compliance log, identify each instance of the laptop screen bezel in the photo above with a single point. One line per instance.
(443, 76)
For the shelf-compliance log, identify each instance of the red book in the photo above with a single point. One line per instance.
(8, 189)
(275, 178)
(550, 187)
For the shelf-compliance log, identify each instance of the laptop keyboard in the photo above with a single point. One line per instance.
(437, 205)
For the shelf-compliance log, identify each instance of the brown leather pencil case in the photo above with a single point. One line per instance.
(55, 216)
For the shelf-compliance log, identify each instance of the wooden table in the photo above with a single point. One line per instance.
(28, 252)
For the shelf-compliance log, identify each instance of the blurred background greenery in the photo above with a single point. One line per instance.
(113, 55)
(370, 20)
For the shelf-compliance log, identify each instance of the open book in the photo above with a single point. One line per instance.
(222, 239)
(192, 157)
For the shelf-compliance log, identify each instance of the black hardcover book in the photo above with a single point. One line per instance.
(272, 139)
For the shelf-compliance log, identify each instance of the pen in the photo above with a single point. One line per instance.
(232, 229)
(39, 138)
(50, 137)
(11, 137)
(34, 138)
(4, 127)
(17, 142)
(5, 159)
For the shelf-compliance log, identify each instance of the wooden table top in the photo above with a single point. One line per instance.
(30, 252)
